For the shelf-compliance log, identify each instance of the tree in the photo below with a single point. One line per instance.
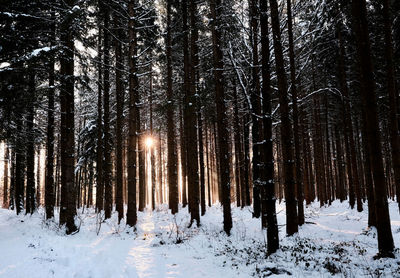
(286, 129)
(368, 96)
(131, 216)
(6, 177)
(68, 208)
(106, 117)
(171, 144)
(215, 6)
(393, 99)
(49, 183)
(99, 157)
(296, 135)
(119, 95)
(268, 207)
(190, 63)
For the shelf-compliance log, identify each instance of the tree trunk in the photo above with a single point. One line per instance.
(183, 155)
(215, 6)
(119, 95)
(286, 129)
(391, 87)
(255, 112)
(190, 62)
(268, 199)
(131, 215)
(172, 159)
(106, 117)
(5, 177)
(238, 149)
(152, 148)
(30, 148)
(385, 238)
(67, 202)
(296, 134)
(99, 150)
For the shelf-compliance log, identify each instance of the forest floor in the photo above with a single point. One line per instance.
(334, 242)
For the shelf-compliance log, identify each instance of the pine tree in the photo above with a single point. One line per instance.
(215, 6)
(268, 207)
(171, 136)
(286, 129)
(131, 216)
(368, 96)
(68, 208)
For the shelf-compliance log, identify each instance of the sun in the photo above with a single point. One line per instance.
(149, 142)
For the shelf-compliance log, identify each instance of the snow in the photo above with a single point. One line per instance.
(37, 51)
(333, 241)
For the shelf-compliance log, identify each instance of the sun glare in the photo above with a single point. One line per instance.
(149, 142)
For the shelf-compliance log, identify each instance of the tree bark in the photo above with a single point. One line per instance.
(5, 177)
(296, 134)
(106, 118)
(131, 215)
(172, 168)
(30, 148)
(190, 62)
(268, 199)
(99, 147)
(215, 6)
(393, 96)
(286, 129)
(385, 238)
(255, 111)
(67, 202)
(119, 93)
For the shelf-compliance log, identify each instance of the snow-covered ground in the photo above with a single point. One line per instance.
(334, 242)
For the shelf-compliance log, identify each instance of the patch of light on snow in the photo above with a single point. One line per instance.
(4, 65)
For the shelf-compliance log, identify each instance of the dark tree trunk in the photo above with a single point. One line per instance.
(256, 111)
(19, 169)
(142, 159)
(296, 134)
(393, 95)
(119, 94)
(268, 199)
(67, 203)
(5, 177)
(190, 63)
(172, 159)
(30, 148)
(385, 238)
(183, 155)
(106, 117)
(12, 180)
(238, 149)
(201, 161)
(209, 172)
(215, 6)
(99, 150)
(245, 166)
(286, 129)
(152, 148)
(131, 215)
(90, 187)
